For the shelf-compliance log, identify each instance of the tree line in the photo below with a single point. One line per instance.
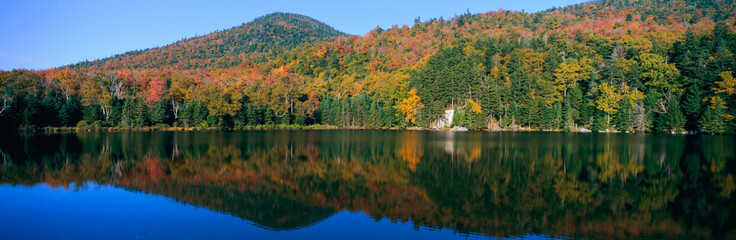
(604, 66)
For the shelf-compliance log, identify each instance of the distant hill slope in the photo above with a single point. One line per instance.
(626, 65)
(255, 41)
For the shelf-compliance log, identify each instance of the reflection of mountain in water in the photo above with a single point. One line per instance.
(262, 206)
(498, 184)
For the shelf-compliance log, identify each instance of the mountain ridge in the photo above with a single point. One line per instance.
(255, 41)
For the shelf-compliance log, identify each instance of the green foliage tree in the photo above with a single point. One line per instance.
(715, 119)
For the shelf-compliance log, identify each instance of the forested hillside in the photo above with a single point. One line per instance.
(619, 65)
(256, 41)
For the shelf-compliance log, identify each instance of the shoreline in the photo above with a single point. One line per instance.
(307, 127)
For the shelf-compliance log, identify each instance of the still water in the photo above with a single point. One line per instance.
(361, 184)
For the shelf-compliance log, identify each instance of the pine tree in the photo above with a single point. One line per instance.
(557, 116)
(116, 112)
(374, 113)
(30, 113)
(715, 120)
(69, 114)
(128, 114)
(251, 115)
(141, 117)
(48, 112)
(673, 119)
(693, 105)
(185, 115)
(569, 115)
(160, 113)
(390, 116)
(268, 116)
(200, 115)
(624, 119)
(91, 113)
(65, 115)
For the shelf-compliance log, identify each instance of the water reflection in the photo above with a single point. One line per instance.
(494, 184)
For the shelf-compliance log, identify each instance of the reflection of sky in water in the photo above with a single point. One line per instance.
(106, 212)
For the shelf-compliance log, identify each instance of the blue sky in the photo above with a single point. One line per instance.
(45, 34)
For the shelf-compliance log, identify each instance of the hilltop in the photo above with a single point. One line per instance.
(252, 42)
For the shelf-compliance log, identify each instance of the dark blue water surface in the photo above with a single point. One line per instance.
(366, 185)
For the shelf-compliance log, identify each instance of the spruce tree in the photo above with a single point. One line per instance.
(91, 113)
(673, 119)
(141, 117)
(693, 105)
(374, 114)
(185, 115)
(116, 112)
(160, 113)
(268, 116)
(714, 120)
(128, 114)
(624, 119)
(69, 113)
(251, 115)
(31, 111)
(48, 112)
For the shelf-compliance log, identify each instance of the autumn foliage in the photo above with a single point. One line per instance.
(553, 69)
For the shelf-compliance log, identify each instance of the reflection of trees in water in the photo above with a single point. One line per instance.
(263, 205)
(501, 184)
(411, 150)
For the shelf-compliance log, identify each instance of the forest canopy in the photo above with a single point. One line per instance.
(613, 65)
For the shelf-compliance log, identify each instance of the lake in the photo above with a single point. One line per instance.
(367, 184)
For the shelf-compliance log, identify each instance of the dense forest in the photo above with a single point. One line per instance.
(612, 65)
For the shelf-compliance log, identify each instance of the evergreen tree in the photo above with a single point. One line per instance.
(323, 112)
(624, 117)
(390, 116)
(715, 120)
(374, 113)
(268, 116)
(160, 113)
(65, 115)
(335, 113)
(185, 115)
(91, 113)
(69, 114)
(599, 122)
(141, 117)
(650, 103)
(673, 119)
(31, 111)
(200, 115)
(128, 113)
(48, 112)
(116, 112)
(252, 115)
(693, 105)
(569, 116)
(557, 116)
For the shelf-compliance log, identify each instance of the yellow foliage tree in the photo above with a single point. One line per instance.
(632, 96)
(659, 74)
(411, 106)
(728, 85)
(607, 101)
(474, 107)
(567, 75)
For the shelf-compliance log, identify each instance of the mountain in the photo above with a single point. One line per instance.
(612, 65)
(256, 42)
